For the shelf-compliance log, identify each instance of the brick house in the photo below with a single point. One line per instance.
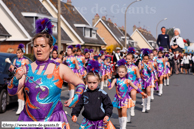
(111, 33)
(18, 18)
(143, 38)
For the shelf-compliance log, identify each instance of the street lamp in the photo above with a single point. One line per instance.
(126, 21)
(157, 26)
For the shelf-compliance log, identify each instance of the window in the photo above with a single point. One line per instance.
(93, 34)
(90, 33)
(87, 32)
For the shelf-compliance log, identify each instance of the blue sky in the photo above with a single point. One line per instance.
(146, 13)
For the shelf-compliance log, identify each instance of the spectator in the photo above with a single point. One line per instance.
(177, 58)
(163, 40)
(177, 43)
(186, 62)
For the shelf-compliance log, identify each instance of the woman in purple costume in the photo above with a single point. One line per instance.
(72, 63)
(103, 68)
(161, 68)
(146, 75)
(154, 75)
(133, 75)
(42, 81)
(20, 61)
(122, 100)
(55, 55)
(81, 62)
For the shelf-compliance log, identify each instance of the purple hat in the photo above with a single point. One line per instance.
(93, 66)
(131, 50)
(78, 46)
(70, 47)
(121, 62)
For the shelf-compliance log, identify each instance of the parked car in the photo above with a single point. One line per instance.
(5, 77)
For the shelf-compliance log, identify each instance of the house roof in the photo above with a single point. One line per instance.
(123, 32)
(73, 16)
(136, 30)
(113, 30)
(130, 45)
(33, 6)
(147, 35)
(3, 31)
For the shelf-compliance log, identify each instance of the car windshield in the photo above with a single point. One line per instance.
(2, 64)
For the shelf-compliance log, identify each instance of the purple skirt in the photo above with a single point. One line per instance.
(88, 124)
(147, 83)
(167, 71)
(58, 116)
(125, 102)
(136, 83)
(82, 71)
(160, 72)
(103, 72)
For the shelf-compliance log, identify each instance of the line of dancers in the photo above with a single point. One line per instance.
(42, 82)
(149, 75)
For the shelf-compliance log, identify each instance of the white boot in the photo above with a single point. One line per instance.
(144, 105)
(20, 106)
(105, 83)
(148, 102)
(120, 122)
(152, 93)
(23, 104)
(142, 101)
(168, 82)
(160, 88)
(124, 122)
(133, 109)
(102, 85)
(164, 82)
(128, 115)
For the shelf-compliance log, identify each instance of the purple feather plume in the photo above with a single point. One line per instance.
(131, 50)
(86, 50)
(146, 51)
(71, 47)
(161, 48)
(44, 25)
(101, 52)
(21, 46)
(166, 55)
(142, 49)
(93, 66)
(121, 62)
(91, 50)
(55, 48)
(151, 51)
(78, 46)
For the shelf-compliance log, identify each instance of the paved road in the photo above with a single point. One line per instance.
(174, 110)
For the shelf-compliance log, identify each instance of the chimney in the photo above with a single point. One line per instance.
(69, 2)
(96, 18)
(109, 20)
(115, 24)
(104, 18)
(134, 28)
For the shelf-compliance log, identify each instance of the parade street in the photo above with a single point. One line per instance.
(174, 110)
